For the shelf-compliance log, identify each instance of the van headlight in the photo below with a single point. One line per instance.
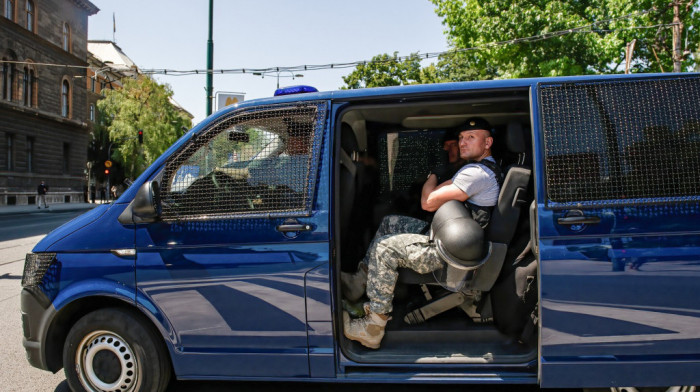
(36, 266)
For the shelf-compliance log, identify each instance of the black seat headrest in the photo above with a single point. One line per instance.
(515, 138)
(348, 140)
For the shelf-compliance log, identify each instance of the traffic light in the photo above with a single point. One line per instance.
(140, 136)
(106, 172)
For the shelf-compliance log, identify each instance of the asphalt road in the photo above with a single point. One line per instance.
(15, 226)
(18, 235)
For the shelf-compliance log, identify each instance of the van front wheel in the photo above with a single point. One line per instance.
(112, 350)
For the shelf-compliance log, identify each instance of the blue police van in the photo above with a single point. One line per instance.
(223, 260)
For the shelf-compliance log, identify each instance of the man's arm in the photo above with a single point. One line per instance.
(433, 195)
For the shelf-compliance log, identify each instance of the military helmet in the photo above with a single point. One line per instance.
(459, 240)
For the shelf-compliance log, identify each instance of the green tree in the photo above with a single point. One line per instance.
(141, 104)
(385, 70)
(482, 31)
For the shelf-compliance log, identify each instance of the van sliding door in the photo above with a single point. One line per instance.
(619, 225)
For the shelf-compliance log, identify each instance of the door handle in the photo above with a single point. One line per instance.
(294, 227)
(579, 220)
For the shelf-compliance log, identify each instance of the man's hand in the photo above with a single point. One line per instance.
(433, 195)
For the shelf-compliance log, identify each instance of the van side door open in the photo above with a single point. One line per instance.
(224, 270)
(618, 210)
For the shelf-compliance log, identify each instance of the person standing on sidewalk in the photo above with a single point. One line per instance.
(41, 192)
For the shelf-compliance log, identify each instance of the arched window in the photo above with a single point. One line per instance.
(29, 10)
(65, 99)
(32, 88)
(26, 87)
(5, 78)
(66, 37)
(8, 77)
(10, 9)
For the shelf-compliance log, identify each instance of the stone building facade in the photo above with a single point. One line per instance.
(44, 109)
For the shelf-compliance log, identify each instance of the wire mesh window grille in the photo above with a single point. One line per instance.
(258, 162)
(405, 158)
(622, 142)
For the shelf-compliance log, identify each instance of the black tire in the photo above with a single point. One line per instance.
(113, 349)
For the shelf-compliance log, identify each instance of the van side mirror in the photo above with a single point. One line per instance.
(145, 208)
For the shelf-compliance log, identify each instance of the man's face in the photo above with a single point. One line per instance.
(474, 143)
(452, 148)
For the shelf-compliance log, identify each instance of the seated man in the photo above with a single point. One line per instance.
(476, 184)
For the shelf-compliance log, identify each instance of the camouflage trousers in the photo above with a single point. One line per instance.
(397, 244)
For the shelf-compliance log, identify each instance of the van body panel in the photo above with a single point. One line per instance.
(618, 294)
(320, 323)
(99, 236)
(242, 299)
(70, 227)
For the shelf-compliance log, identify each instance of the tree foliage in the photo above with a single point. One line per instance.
(530, 38)
(141, 104)
(481, 30)
(385, 70)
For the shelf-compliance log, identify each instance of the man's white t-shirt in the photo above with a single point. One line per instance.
(479, 183)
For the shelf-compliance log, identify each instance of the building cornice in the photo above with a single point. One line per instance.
(34, 112)
(87, 6)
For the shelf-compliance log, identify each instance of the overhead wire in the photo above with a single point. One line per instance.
(589, 28)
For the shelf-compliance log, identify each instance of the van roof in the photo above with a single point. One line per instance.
(379, 92)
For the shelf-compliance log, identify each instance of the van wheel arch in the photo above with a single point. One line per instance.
(71, 313)
(116, 348)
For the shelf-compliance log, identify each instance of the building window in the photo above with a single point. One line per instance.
(30, 154)
(8, 77)
(5, 79)
(102, 87)
(65, 99)
(28, 86)
(92, 112)
(66, 158)
(29, 10)
(9, 138)
(66, 37)
(10, 9)
(92, 84)
(32, 88)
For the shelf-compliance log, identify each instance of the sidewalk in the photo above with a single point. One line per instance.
(32, 208)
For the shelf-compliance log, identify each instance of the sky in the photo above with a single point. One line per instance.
(172, 34)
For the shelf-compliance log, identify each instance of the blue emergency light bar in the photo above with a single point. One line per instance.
(301, 89)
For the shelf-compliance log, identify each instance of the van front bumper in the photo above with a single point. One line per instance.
(35, 318)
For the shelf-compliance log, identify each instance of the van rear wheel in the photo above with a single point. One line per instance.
(113, 350)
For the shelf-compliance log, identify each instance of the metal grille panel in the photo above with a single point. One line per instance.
(622, 142)
(35, 267)
(257, 162)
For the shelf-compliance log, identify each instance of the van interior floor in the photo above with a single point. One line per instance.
(451, 337)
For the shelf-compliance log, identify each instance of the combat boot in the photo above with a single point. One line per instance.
(368, 330)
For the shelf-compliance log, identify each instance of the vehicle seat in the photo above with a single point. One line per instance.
(499, 233)
(351, 171)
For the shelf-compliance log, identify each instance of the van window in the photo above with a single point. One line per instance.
(255, 162)
(621, 142)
